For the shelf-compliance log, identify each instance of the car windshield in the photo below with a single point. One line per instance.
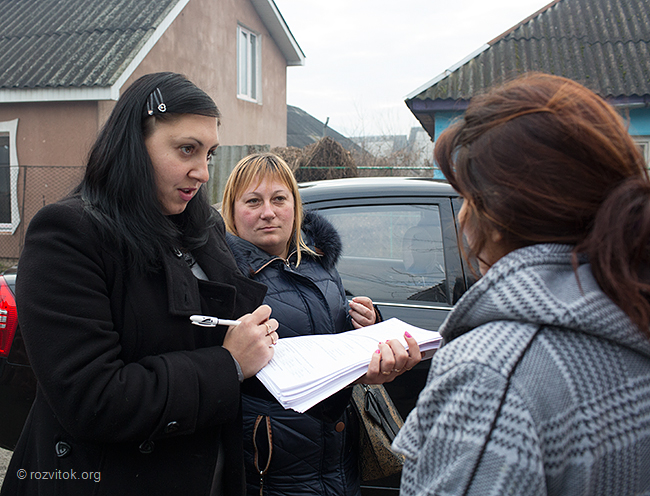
(391, 253)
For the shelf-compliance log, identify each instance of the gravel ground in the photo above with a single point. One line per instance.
(4, 461)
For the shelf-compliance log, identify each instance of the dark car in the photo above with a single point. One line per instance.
(399, 248)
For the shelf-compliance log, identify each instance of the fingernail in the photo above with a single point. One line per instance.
(407, 334)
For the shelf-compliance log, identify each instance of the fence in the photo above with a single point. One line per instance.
(30, 187)
(304, 174)
(27, 188)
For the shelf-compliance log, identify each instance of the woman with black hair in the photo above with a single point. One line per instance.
(132, 398)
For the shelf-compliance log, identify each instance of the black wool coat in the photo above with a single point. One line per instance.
(132, 398)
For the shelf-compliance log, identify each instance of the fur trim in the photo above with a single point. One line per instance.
(323, 238)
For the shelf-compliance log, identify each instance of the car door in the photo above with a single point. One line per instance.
(402, 252)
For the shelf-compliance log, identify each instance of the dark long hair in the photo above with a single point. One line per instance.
(542, 159)
(119, 187)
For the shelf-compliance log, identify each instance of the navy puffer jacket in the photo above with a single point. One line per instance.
(313, 453)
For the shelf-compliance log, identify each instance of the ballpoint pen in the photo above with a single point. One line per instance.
(206, 321)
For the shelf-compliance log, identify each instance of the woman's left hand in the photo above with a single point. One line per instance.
(362, 311)
(390, 360)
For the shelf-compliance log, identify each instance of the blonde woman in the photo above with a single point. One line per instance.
(289, 453)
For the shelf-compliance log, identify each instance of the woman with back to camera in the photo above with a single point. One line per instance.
(129, 390)
(542, 385)
(289, 453)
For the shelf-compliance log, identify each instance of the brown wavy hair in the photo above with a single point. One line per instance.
(542, 159)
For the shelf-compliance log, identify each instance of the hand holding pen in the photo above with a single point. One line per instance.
(206, 321)
(251, 341)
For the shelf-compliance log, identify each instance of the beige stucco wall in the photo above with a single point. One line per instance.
(52, 133)
(52, 141)
(202, 44)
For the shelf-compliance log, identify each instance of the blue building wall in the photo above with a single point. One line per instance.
(443, 120)
(639, 121)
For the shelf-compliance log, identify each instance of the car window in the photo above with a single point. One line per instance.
(391, 253)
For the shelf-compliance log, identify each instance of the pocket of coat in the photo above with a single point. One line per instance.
(219, 298)
(262, 444)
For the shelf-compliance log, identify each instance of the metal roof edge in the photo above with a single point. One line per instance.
(24, 95)
(632, 101)
(446, 73)
(146, 48)
(438, 105)
(280, 32)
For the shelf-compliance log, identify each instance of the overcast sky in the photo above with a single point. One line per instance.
(364, 56)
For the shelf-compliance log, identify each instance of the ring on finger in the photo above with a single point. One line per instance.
(385, 373)
(397, 370)
(268, 328)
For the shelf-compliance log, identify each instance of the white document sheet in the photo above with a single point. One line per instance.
(307, 369)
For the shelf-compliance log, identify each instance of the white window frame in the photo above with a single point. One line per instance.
(644, 144)
(9, 128)
(249, 65)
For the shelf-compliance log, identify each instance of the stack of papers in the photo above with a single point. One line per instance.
(307, 369)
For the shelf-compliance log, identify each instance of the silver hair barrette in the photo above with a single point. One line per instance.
(155, 101)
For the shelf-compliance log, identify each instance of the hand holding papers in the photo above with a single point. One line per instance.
(307, 369)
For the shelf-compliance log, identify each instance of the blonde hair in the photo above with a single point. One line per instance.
(258, 167)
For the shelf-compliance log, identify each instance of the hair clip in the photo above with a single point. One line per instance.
(155, 101)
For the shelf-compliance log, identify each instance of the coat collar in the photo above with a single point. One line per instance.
(537, 285)
(223, 278)
(318, 233)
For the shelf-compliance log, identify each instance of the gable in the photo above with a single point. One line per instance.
(602, 44)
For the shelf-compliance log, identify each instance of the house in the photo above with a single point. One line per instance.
(602, 44)
(304, 129)
(63, 64)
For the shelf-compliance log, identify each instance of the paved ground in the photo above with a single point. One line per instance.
(4, 461)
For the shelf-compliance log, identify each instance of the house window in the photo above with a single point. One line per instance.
(5, 180)
(9, 215)
(644, 144)
(248, 65)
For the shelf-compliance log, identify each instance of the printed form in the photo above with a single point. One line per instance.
(307, 369)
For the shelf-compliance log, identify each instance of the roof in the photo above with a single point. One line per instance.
(603, 44)
(87, 49)
(280, 31)
(382, 187)
(304, 129)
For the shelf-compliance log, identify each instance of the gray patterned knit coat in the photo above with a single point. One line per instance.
(572, 418)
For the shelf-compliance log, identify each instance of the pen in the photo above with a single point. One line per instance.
(205, 321)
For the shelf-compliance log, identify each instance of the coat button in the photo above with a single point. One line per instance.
(146, 447)
(62, 449)
(172, 427)
(340, 426)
